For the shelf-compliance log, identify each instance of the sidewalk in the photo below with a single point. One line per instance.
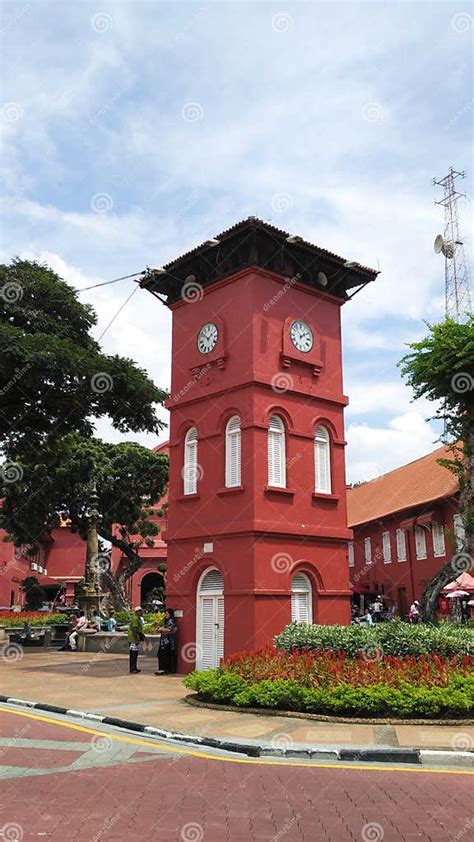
(100, 683)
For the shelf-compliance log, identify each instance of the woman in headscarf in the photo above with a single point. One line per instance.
(168, 648)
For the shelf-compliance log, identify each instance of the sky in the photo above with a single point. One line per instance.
(133, 130)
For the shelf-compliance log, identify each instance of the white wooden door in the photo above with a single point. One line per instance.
(210, 621)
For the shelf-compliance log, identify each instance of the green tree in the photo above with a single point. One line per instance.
(35, 595)
(54, 378)
(130, 479)
(441, 368)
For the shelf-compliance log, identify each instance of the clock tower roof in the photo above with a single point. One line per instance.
(253, 242)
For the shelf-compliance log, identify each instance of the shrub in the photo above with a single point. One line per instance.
(13, 619)
(407, 700)
(393, 638)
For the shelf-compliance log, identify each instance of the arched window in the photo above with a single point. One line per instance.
(233, 453)
(322, 461)
(190, 467)
(276, 453)
(301, 599)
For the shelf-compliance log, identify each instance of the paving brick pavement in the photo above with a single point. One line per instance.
(99, 682)
(145, 793)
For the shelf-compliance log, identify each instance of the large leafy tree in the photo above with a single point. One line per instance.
(55, 381)
(129, 478)
(441, 368)
(54, 377)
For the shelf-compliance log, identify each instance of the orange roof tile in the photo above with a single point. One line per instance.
(416, 484)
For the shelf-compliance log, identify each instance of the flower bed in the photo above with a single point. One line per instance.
(14, 619)
(335, 683)
(393, 638)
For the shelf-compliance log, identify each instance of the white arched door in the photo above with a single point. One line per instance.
(210, 620)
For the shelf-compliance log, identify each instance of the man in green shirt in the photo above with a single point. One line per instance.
(135, 635)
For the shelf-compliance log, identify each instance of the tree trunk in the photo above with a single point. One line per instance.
(117, 584)
(118, 593)
(462, 560)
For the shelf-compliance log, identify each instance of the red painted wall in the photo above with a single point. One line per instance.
(412, 574)
(260, 537)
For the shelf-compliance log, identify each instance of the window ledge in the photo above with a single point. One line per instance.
(276, 488)
(230, 489)
(319, 495)
(185, 497)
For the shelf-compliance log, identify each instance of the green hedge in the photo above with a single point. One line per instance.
(392, 638)
(455, 699)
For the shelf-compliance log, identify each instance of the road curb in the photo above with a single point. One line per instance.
(251, 748)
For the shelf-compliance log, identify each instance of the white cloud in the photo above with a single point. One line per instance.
(372, 451)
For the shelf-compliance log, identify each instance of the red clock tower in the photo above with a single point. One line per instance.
(257, 530)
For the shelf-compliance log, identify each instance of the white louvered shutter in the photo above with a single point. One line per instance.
(322, 461)
(207, 643)
(219, 600)
(368, 550)
(401, 545)
(387, 548)
(439, 547)
(276, 453)
(459, 531)
(233, 456)
(301, 599)
(350, 553)
(420, 542)
(190, 468)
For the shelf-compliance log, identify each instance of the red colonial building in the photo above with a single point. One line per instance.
(406, 526)
(257, 530)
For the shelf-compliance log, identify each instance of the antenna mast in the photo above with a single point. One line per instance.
(456, 272)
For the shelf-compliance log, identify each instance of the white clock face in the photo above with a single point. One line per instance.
(207, 338)
(302, 336)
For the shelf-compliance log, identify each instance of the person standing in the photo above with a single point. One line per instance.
(414, 615)
(168, 648)
(135, 636)
(111, 622)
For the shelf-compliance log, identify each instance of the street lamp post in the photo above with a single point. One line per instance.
(91, 597)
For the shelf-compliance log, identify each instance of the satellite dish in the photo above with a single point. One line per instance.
(444, 246)
(322, 279)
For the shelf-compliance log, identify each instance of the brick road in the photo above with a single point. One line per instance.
(70, 785)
